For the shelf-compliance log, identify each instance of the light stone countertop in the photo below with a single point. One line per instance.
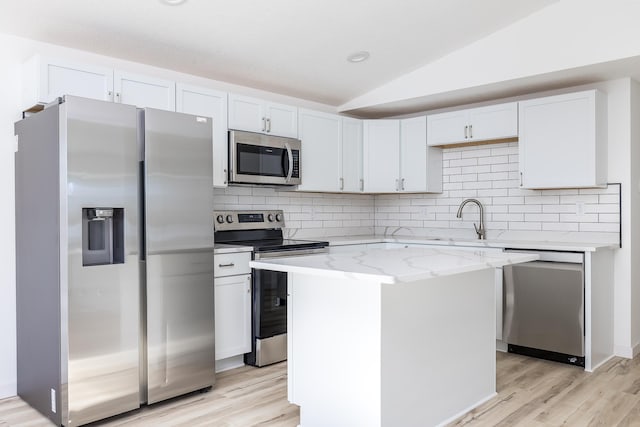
(492, 243)
(394, 265)
(223, 248)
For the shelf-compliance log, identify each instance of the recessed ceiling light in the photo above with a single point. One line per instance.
(173, 2)
(358, 56)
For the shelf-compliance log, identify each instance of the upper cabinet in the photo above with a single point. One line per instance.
(144, 91)
(563, 141)
(473, 125)
(420, 165)
(321, 166)
(397, 159)
(210, 103)
(257, 115)
(331, 152)
(352, 178)
(47, 79)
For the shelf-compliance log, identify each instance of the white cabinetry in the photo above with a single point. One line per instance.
(232, 304)
(381, 155)
(210, 103)
(45, 79)
(352, 178)
(396, 157)
(473, 125)
(144, 91)
(331, 152)
(257, 115)
(420, 165)
(321, 166)
(563, 141)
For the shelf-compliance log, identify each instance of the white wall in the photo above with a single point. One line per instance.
(634, 209)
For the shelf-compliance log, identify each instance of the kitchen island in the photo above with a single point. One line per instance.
(390, 337)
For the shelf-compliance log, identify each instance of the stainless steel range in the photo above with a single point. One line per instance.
(263, 231)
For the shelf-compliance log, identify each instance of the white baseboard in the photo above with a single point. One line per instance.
(229, 363)
(464, 411)
(626, 352)
(8, 390)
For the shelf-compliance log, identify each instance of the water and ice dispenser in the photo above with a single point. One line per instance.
(102, 236)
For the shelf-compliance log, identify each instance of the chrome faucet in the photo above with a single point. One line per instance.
(479, 230)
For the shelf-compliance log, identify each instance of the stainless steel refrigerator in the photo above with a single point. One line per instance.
(114, 246)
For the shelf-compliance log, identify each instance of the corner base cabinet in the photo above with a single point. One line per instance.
(563, 141)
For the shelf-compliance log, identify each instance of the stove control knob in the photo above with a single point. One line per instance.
(270, 217)
(229, 219)
(220, 219)
(279, 217)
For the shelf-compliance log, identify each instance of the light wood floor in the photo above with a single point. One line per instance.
(531, 392)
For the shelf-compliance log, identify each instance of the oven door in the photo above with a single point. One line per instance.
(269, 303)
(263, 159)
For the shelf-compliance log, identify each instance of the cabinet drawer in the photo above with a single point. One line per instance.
(232, 264)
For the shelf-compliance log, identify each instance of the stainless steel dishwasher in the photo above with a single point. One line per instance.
(544, 307)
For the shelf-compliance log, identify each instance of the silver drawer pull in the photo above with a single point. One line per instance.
(226, 265)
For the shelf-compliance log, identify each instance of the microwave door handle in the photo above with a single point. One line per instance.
(290, 156)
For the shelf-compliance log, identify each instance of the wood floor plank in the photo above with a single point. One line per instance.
(531, 393)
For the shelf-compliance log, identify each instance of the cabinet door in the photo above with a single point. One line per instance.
(493, 122)
(381, 155)
(448, 128)
(246, 113)
(143, 91)
(282, 120)
(46, 79)
(413, 154)
(210, 103)
(352, 155)
(562, 141)
(320, 134)
(233, 315)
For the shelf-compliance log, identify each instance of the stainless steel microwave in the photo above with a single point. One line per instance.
(255, 158)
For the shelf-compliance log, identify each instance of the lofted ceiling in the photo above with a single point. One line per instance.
(292, 47)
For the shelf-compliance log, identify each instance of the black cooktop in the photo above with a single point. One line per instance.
(282, 244)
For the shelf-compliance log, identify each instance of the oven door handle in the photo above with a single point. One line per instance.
(290, 157)
(282, 254)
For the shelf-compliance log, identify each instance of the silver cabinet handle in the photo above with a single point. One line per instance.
(118, 97)
(341, 183)
(361, 184)
(226, 265)
(466, 132)
(225, 176)
(268, 125)
(264, 124)
(470, 131)
(249, 284)
(520, 179)
(402, 184)
(110, 94)
(397, 185)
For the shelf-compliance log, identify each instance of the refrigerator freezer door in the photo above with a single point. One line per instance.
(100, 303)
(179, 253)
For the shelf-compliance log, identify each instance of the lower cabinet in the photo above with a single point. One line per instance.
(233, 304)
(233, 315)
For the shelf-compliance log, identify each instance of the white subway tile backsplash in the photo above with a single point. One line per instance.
(490, 174)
